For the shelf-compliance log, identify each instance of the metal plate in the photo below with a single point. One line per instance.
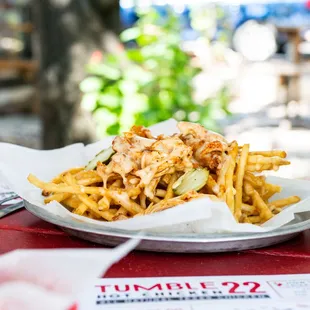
(177, 243)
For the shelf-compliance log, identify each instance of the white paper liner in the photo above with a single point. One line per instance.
(198, 216)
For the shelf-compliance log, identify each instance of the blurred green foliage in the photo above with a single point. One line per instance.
(150, 82)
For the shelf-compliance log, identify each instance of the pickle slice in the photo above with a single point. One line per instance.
(195, 179)
(102, 156)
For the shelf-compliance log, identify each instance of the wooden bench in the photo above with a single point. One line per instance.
(26, 68)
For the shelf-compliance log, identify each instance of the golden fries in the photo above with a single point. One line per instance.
(284, 202)
(239, 180)
(281, 154)
(230, 190)
(262, 160)
(256, 182)
(81, 209)
(143, 175)
(169, 192)
(57, 197)
(58, 178)
(212, 186)
(222, 177)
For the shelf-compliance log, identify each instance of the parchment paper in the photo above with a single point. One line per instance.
(199, 216)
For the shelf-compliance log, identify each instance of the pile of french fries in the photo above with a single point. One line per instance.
(247, 193)
(113, 190)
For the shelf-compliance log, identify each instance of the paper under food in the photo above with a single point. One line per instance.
(197, 216)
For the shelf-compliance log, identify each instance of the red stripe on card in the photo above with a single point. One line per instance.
(73, 307)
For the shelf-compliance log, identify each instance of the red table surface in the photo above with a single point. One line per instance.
(22, 230)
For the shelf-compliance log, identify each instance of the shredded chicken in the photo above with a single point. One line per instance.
(142, 132)
(200, 132)
(147, 159)
(208, 147)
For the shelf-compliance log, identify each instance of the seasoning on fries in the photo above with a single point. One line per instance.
(141, 174)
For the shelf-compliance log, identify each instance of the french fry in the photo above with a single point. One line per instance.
(57, 197)
(169, 192)
(160, 193)
(245, 219)
(81, 209)
(270, 190)
(62, 188)
(104, 204)
(169, 203)
(222, 177)
(95, 197)
(246, 198)
(58, 179)
(84, 174)
(89, 181)
(142, 198)
(150, 189)
(276, 210)
(255, 219)
(212, 185)
(248, 209)
(163, 205)
(124, 200)
(155, 199)
(73, 202)
(164, 181)
(280, 203)
(262, 160)
(121, 211)
(261, 167)
(230, 190)
(113, 211)
(93, 215)
(133, 192)
(45, 193)
(261, 206)
(213, 197)
(255, 181)
(281, 154)
(116, 184)
(259, 203)
(92, 205)
(120, 217)
(239, 180)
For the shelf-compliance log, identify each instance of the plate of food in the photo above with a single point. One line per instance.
(179, 186)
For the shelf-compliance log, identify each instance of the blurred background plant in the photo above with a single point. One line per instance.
(190, 64)
(152, 80)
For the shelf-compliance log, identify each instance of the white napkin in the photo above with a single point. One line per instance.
(53, 279)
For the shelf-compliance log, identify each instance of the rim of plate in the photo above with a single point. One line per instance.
(175, 237)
